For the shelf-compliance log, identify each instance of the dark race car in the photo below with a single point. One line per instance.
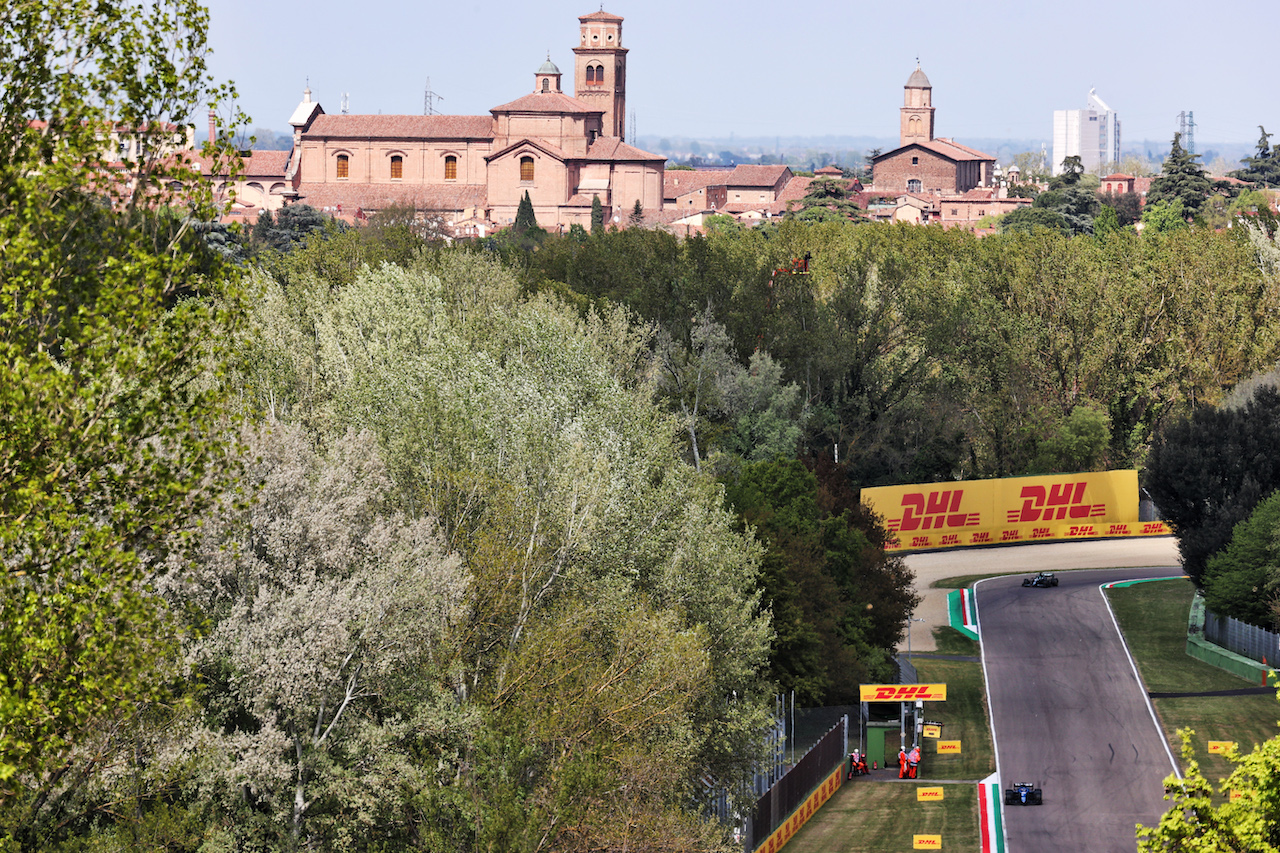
(1041, 579)
(1023, 794)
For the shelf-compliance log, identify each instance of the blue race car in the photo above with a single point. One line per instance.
(1041, 579)
(1023, 794)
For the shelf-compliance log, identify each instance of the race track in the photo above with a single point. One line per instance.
(1069, 714)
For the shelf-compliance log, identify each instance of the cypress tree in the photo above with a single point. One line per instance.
(525, 218)
(597, 215)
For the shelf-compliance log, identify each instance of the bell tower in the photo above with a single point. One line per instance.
(917, 110)
(600, 70)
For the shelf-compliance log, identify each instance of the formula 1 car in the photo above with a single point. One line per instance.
(1023, 794)
(1041, 579)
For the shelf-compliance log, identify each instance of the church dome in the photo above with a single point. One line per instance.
(917, 80)
(548, 67)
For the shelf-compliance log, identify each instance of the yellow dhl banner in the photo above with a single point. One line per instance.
(1011, 510)
(1220, 747)
(932, 731)
(948, 747)
(926, 842)
(931, 795)
(902, 692)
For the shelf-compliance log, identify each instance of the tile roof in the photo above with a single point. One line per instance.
(547, 102)
(610, 148)
(262, 164)
(954, 150)
(678, 182)
(756, 176)
(376, 196)
(796, 188)
(403, 127)
(1118, 176)
(541, 144)
(602, 15)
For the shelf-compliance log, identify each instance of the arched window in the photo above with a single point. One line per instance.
(546, 85)
(526, 168)
(913, 185)
(591, 74)
(397, 167)
(450, 168)
(344, 166)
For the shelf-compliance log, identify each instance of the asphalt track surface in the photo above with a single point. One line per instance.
(1069, 713)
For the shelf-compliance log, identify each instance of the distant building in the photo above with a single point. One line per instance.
(1092, 134)
(936, 179)
(924, 163)
(563, 151)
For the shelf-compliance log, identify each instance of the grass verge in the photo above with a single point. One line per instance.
(870, 817)
(1153, 617)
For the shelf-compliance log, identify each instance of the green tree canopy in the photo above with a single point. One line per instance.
(113, 434)
(1181, 179)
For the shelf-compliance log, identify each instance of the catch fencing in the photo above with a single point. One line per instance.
(790, 791)
(1253, 642)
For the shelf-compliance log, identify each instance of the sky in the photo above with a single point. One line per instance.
(754, 70)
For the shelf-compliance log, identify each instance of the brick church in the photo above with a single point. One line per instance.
(924, 163)
(564, 151)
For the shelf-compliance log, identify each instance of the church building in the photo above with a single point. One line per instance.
(564, 151)
(924, 163)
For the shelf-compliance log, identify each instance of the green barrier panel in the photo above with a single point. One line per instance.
(955, 610)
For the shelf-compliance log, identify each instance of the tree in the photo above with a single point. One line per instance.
(1243, 578)
(597, 215)
(1128, 206)
(1182, 179)
(1246, 818)
(839, 601)
(636, 218)
(1264, 167)
(1079, 443)
(525, 218)
(1072, 170)
(1163, 217)
(316, 612)
(1028, 219)
(527, 429)
(1209, 470)
(113, 434)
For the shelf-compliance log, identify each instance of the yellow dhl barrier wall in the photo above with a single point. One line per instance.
(1016, 509)
(800, 816)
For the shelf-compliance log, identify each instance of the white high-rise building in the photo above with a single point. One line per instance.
(1092, 134)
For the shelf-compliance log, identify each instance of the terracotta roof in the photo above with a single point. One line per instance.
(377, 196)
(403, 127)
(796, 188)
(1118, 177)
(547, 102)
(678, 182)
(602, 15)
(611, 148)
(974, 154)
(541, 144)
(830, 170)
(756, 176)
(266, 164)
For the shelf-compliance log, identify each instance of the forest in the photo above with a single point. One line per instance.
(329, 538)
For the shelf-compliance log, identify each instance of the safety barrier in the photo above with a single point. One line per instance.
(794, 797)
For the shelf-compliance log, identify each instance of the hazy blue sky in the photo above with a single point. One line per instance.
(755, 69)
